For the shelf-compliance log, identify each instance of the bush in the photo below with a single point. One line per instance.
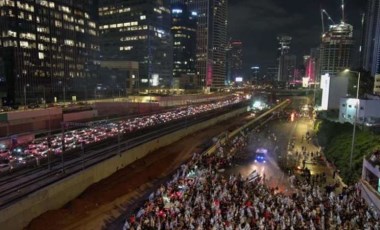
(336, 139)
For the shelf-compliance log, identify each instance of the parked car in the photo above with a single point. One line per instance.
(33, 106)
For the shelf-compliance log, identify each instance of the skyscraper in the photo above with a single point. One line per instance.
(336, 49)
(236, 49)
(371, 40)
(138, 30)
(211, 41)
(47, 48)
(315, 71)
(283, 58)
(184, 29)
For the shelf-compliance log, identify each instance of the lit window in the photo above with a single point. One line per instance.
(41, 55)
(69, 42)
(142, 17)
(24, 44)
(41, 46)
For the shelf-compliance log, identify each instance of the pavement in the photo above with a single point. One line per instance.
(310, 155)
(277, 137)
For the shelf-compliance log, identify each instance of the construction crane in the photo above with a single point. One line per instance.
(324, 12)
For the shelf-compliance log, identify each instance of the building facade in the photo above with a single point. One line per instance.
(284, 59)
(315, 68)
(138, 30)
(376, 85)
(371, 40)
(333, 89)
(369, 184)
(236, 55)
(183, 29)
(211, 41)
(367, 112)
(48, 49)
(272, 73)
(336, 49)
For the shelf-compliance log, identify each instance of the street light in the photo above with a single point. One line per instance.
(26, 85)
(356, 113)
(63, 82)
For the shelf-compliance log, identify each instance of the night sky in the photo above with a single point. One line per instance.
(258, 22)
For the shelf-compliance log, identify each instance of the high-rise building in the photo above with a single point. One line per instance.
(284, 58)
(288, 66)
(272, 73)
(184, 29)
(211, 41)
(255, 75)
(371, 40)
(315, 71)
(138, 30)
(47, 48)
(236, 50)
(336, 49)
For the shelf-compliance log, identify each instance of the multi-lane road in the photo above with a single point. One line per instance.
(14, 186)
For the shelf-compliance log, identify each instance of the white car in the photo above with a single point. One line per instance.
(5, 168)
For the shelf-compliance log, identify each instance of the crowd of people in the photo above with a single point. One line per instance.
(199, 196)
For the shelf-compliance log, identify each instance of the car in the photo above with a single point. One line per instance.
(33, 106)
(260, 158)
(261, 155)
(5, 168)
(4, 153)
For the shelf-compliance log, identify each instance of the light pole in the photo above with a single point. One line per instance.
(64, 73)
(356, 114)
(26, 85)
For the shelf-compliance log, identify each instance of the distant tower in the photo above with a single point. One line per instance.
(212, 41)
(371, 41)
(236, 59)
(284, 42)
(284, 47)
(336, 49)
(184, 29)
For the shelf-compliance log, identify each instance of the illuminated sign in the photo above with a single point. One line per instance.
(194, 13)
(239, 79)
(325, 86)
(305, 82)
(176, 11)
(155, 79)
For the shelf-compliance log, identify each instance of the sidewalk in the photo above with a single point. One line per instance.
(309, 154)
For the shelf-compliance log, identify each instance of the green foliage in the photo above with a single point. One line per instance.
(326, 130)
(336, 139)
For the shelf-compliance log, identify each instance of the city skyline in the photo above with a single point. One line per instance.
(261, 21)
(143, 35)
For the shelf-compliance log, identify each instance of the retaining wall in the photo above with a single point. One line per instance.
(58, 194)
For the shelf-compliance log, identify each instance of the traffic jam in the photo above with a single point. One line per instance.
(20, 155)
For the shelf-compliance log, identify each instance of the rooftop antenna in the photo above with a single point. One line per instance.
(343, 11)
(323, 23)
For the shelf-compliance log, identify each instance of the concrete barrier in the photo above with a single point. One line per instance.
(18, 215)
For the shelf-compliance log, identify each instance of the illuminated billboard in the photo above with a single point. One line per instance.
(325, 86)
(155, 79)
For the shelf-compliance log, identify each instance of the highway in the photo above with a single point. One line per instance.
(15, 186)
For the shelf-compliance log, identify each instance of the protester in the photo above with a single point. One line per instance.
(199, 197)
